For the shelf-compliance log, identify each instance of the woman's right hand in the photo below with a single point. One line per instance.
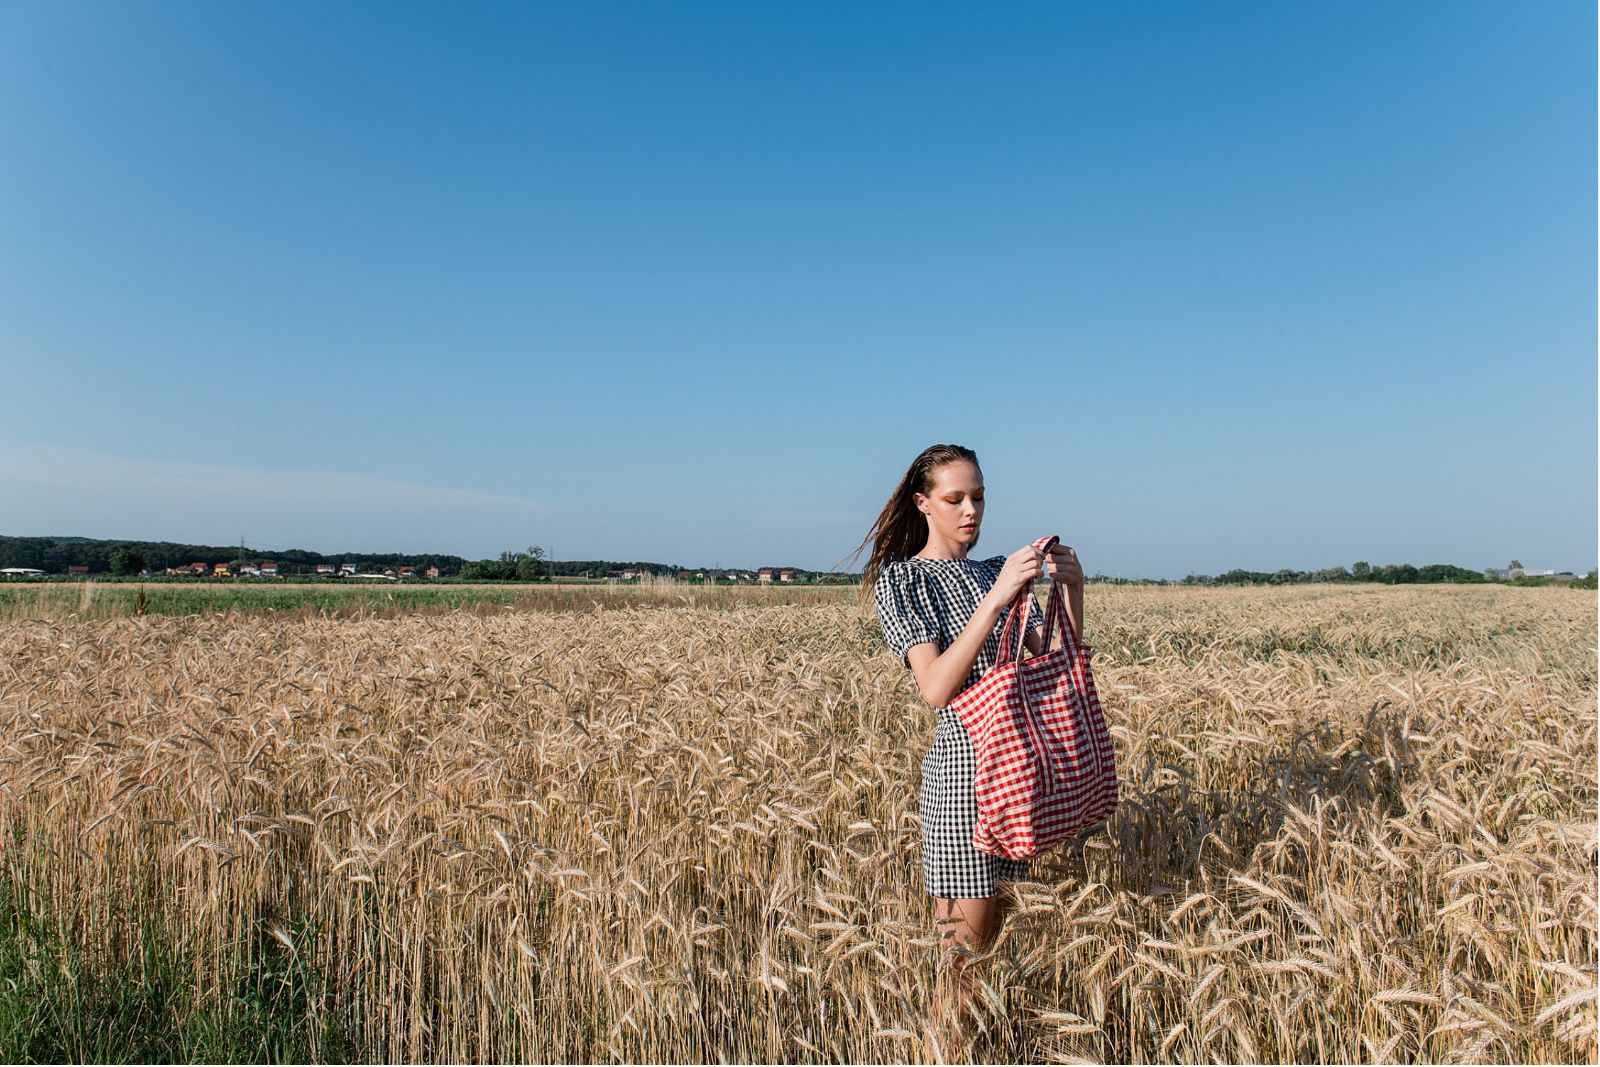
(941, 675)
(1020, 571)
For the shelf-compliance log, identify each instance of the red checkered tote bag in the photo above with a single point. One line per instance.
(1044, 764)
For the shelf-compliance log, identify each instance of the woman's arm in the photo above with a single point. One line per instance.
(940, 675)
(1035, 637)
(1063, 566)
(1074, 620)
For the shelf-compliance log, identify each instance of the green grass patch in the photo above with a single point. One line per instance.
(78, 601)
(125, 986)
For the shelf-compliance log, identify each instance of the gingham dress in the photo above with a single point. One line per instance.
(931, 600)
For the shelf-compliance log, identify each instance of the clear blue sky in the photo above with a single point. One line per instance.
(1205, 285)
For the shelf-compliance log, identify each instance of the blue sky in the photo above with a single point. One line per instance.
(1204, 285)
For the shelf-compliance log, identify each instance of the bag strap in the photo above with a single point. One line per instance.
(1016, 617)
(1055, 621)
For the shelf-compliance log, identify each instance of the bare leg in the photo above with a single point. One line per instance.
(968, 930)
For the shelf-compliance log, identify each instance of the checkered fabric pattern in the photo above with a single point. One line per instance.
(1045, 768)
(931, 600)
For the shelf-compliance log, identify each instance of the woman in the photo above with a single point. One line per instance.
(942, 612)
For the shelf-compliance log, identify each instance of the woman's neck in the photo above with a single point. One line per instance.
(938, 548)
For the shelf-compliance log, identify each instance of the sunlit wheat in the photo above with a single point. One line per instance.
(1358, 824)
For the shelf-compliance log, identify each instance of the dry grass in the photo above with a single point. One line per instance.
(1357, 825)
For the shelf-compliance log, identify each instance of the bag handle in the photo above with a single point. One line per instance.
(1016, 617)
(1056, 612)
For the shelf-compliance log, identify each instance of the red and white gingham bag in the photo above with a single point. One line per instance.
(1045, 767)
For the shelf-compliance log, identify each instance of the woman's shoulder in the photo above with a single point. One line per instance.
(895, 572)
(899, 587)
(918, 571)
(903, 573)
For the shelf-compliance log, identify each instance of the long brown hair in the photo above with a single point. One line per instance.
(901, 530)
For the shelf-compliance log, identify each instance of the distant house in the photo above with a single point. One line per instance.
(786, 575)
(408, 572)
(349, 568)
(766, 574)
(1500, 574)
(432, 572)
(250, 570)
(222, 571)
(77, 570)
(269, 570)
(327, 568)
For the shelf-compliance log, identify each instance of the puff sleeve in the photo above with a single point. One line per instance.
(905, 610)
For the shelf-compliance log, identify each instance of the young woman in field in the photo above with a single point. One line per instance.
(942, 612)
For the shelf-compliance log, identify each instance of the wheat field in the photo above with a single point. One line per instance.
(1357, 824)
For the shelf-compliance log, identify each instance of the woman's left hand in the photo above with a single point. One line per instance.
(1061, 565)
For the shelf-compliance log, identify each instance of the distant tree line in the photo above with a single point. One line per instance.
(599, 568)
(525, 566)
(55, 554)
(1388, 574)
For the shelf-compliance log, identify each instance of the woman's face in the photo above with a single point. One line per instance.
(955, 506)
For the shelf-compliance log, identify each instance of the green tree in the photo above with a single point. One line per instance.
(1361, 571)
(124, 561)
(1447, 572)
(527, 566)
(530, 564)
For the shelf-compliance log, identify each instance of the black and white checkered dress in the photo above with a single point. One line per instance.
(931, 600)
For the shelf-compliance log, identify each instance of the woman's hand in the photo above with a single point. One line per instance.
(1020, 571)
(1062, 566)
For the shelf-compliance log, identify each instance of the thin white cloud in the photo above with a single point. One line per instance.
(51, 489)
